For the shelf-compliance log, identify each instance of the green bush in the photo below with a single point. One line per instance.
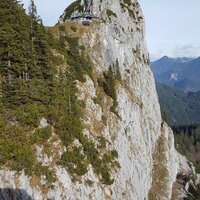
(114, 154)
(45, 171)
(109, 88)
(109, 85)
(118, 74)
(74, 161)
(102, 142)
(80, 65)
(15, 149)
(41, 135)
(29, 115)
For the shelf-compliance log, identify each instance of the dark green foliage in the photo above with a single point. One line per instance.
(109, 85)
(41, 135)
(100, 165)
(118, 74)
(194, 192)
(26, 83)
(185, 137)
(32, 88)
(197, 167)
(54, 43)
(114, 153)
(80, 65)
(29, 115)
(109, 88)
(165, 115)
(74, 161)
(15, 149)
(187, 140)
(45, 171)
(182, 108)
(17, 152)
(25, 59)
(102, 142)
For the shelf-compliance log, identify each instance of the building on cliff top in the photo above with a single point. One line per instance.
(86, 16)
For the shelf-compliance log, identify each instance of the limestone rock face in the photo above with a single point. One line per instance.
(87, 4)
(147, 157)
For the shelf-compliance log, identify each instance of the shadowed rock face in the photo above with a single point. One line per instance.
(14, 194)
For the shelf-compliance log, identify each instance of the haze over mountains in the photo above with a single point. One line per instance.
(181, 73)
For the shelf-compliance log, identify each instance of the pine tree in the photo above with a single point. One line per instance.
(110, 84)
(118, 74)
(33, 20)
(26, 69)
(14, 40)
(165, 115)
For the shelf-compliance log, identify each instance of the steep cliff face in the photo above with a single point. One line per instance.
(145, 145)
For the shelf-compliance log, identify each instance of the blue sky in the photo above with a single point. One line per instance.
(172, 26)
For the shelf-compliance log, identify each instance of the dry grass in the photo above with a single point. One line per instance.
(16, 180)
(66, 28)
(160, 172)
(35, 182)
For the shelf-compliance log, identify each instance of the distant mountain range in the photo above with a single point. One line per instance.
(181, 73)
(182, 108)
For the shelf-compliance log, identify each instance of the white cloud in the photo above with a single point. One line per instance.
(187, 50)
(179, 51)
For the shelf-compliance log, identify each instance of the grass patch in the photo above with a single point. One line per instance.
(160, 172)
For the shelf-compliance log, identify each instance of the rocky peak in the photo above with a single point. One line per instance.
(121, 106)
(141, 139)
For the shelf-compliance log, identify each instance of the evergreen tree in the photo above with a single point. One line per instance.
(14, 41)
(33, 20)
(118, 74)
(110, 84)
(165, 114)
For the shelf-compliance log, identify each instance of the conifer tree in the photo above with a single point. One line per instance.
(34, 20)
(14, 40)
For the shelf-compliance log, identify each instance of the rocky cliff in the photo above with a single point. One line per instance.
(146, 163)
